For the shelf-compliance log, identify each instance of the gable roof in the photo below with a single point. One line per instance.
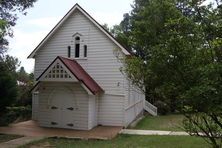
(79, 73)
(77, 7)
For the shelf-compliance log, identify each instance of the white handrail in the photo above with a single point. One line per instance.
(150, 108)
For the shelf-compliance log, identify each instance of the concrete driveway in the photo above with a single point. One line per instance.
(31, 128)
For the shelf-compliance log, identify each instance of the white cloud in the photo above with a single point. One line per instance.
(22, 44)
(24, 40)
(108, 18)
(46, 22)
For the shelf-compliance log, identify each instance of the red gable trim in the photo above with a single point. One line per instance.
(79, 73)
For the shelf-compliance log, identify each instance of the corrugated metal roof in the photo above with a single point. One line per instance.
(77, 70)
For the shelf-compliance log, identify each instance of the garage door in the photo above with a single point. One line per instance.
(62, 109)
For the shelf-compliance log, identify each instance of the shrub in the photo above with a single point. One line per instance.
(20, 111)
(13, 113)
(163, 108)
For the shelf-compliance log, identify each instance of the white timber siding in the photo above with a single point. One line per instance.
(101, 63)
(81, 102)
(134, 101)
(111, 110)
(93, 109)
(35, 105)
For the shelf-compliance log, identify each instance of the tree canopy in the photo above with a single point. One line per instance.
(9, 10)
(178, 46)
(8, 82)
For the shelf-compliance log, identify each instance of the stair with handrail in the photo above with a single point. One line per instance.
(150, 108)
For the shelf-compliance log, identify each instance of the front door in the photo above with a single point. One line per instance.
(68, 110)
(62, 109)
(56, 112)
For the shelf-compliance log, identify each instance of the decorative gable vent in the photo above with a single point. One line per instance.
(68, 70)
(58, 72)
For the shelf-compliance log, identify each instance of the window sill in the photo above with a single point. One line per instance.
(80, 58)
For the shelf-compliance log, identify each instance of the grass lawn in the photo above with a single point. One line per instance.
(5, 138)
(124, 141)
(167, 123)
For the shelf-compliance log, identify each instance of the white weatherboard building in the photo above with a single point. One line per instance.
(78, 80)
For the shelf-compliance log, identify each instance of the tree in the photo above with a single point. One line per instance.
(25, 84)
(2, 34)
(122, 31)
(8, 17)
(156, 38)
(8, 83)
(203, 105)
(8, 64)
(202, 100)
(22, 76)
(178, 44)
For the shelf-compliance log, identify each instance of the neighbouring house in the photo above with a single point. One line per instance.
(79, 84)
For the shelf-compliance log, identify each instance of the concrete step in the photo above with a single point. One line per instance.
(151, 132)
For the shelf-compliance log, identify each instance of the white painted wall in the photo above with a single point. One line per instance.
(81, 98)
(35, 105)
(111, 110)
(93, 109)
(101, 63)
(134, 101)
(105, 110)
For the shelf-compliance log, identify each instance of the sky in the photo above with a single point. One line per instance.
(40, 19)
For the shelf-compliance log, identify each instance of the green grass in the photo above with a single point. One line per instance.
(5, 138)
(124, 141)
(167, 123)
